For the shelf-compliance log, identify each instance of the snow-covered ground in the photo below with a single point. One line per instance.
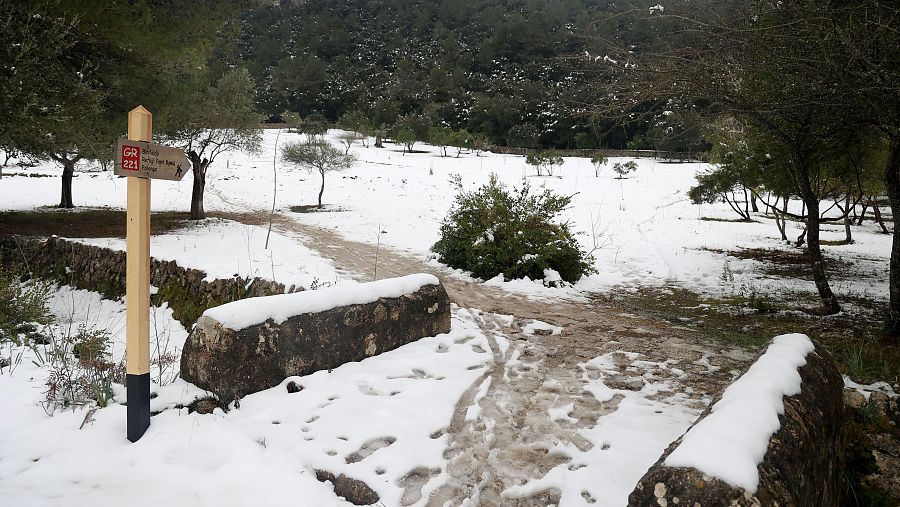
(382, 420)
(263, 454)
(648, 231)
(225, 248)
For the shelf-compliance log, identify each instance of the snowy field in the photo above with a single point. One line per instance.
(383, 420)
(647, 231)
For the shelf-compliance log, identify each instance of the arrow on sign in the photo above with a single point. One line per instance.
(149, 160)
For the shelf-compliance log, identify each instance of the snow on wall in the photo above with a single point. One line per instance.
(732, 440)
(251, 311)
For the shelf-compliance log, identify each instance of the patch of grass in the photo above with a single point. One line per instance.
(856, 340)
(728, 220)
(859, 462)
(312, 208)
(23, 306)
(863, 361)
(82, 222)
(186, 307)
(793, 263)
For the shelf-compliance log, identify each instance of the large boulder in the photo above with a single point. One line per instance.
(800, 449)
(254, 344)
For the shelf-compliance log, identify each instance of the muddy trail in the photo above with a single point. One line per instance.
(508, 443)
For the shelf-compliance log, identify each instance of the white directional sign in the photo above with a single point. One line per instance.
(148, 160)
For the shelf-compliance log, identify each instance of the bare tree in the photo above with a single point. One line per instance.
(316, 154)
(347, 138)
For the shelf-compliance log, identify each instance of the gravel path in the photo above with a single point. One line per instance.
(502, 431)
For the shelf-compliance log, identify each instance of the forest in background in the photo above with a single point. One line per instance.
(508, 70)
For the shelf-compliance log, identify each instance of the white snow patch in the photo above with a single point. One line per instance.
(867, 389)
(537, 325)
(224, 249)
(474, 409)
(562, 412)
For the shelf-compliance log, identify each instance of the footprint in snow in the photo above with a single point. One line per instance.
(418, 374)
(413, 482)
(464, 339)
(368, 448)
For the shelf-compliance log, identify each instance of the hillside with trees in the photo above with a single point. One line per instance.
(496, 68)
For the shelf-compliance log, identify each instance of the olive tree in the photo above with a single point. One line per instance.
(757, 63)
(317, 155)
(220, 118)
(544, 161)
(50, 93)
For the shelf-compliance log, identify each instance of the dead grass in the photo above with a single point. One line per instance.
(856, 338)
(792, 263)
(97, 222)
(313, 208)
(728, 220)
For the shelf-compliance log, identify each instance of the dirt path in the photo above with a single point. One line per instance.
(507, 443)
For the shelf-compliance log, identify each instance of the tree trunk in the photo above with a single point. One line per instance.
(198, 168)
(746, 205)
(322, 189)
(753, 205)
(814, 248)
(378, 143)
(781, 219)
(848, 221)
(892, 182)
(65, 200)
(862, 216)
(877, 212)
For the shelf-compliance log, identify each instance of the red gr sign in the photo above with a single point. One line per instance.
(131, 158)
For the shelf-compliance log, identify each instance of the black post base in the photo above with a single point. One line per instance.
(138, 391)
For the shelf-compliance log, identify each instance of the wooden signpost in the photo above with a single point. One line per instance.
(142, 161)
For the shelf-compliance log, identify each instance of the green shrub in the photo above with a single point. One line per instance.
(23, 305)
(544, 161)
(598, 160)
(623, 169)
(81, 370)
(492, 231)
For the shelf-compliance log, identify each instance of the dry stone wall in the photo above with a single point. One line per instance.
(801, 466)
(233, 363)
(102, 270)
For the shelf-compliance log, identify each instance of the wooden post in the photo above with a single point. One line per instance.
(137, 286)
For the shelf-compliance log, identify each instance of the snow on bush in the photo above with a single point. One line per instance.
(732, 440)
(517, 234)
(248, 312)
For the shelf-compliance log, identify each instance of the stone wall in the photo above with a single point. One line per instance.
(801, 466)
(234, 363)
(103, 270)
